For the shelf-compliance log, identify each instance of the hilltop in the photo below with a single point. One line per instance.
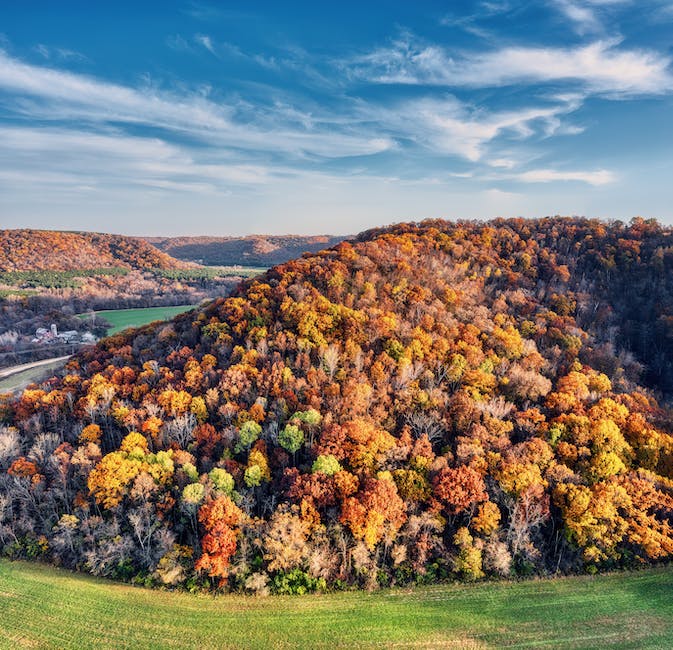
(254, 250)
(49, 250)
(426, 401)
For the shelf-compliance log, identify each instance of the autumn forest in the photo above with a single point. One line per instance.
(426, 401)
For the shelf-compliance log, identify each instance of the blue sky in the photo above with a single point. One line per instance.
(279, 117)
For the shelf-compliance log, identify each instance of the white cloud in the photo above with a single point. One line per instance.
(583, 16)
(226, 142)
(82, 96)
(116, 160)
(202, 145)
(502, 163)
(596, 178)
(174, 186)
(43, 50)
(206, 42)
(591, 16)
(452, 127)
(600, 67)
(49, 141)
(177, 43)
(58, 53)
(495, 193)
(61, 95)
(470, 22)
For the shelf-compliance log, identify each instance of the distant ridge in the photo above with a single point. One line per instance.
(253, 250)
(51, 250)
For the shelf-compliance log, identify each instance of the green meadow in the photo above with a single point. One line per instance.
(42, 607)
(120, 319)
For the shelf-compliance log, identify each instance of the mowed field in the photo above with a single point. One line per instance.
(42, 607)
(120, 319)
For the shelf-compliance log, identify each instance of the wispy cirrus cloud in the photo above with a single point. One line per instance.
(601, 67)
(205, 41)
(200, 144)
(221, 49)
(472, 21)
(449, 126)
(582, 15)
(74, 95)
(589, 16)
(220, 132)
(201, 140)
(502, 163)
(596, 177)
(178, 43)
(204, 11)
(113, 159)
(59, 53)
(51, 94)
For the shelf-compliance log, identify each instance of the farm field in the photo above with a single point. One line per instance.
(120, 319)
(213, 271)
(50, 608)
(236, 270)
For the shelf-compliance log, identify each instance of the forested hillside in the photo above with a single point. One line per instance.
(255, 250)
(428, 400)
(48, 250)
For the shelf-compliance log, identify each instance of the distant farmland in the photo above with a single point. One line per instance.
(120, 319)
(50, 608)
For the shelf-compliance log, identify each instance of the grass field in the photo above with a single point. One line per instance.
(42, 607)
(212, 271)
(120, 319)
(242, 271)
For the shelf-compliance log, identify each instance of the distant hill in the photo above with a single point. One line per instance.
(255, 250)
(49, 250)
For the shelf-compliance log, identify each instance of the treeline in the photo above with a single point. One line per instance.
(73, 279)
(432, 400)
(55, 279)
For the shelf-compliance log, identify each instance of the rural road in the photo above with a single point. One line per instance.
(12, 370)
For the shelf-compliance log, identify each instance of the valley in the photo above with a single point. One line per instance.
(46, 294)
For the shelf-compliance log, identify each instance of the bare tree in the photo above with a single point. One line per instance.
(330, 360)
(180, 429)
(422, 423)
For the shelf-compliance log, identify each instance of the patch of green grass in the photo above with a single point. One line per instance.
(120, 319)
(210, 272)
(241, 271)
(49, 608)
